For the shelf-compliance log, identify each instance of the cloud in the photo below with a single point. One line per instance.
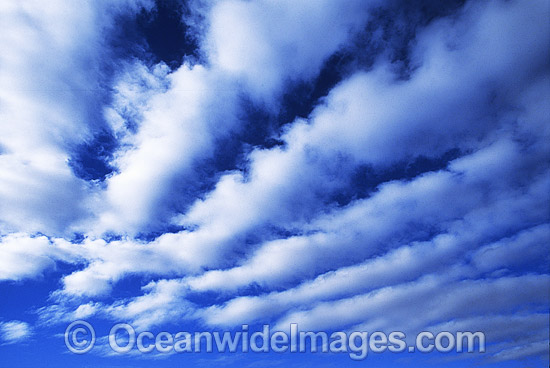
(51, 95)
(507, 329)
(429, 299)
(538, 348)
(265, 55)
(14, 331)
(179, 126)
(282, 183)
(22, 256)
(163, 302)
(398, 266)
(414, 191)
(371, 225)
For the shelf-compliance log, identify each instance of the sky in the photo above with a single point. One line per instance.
(197, 165)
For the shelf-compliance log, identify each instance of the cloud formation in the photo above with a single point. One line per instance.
(415, 189)
(14, 331)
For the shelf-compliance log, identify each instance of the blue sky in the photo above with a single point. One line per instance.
(203, 164)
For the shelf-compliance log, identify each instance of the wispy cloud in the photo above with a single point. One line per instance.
(14, 331)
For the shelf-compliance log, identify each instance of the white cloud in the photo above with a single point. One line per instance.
(413, 306)
(401, 265)
(538, 348)
(49, 71)
(442, 106)
(507, 329)
(162, 303)
(267, 44)
(421, 252)
(14, 331)
(178, 127)
(368, 226)
(23, 257)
